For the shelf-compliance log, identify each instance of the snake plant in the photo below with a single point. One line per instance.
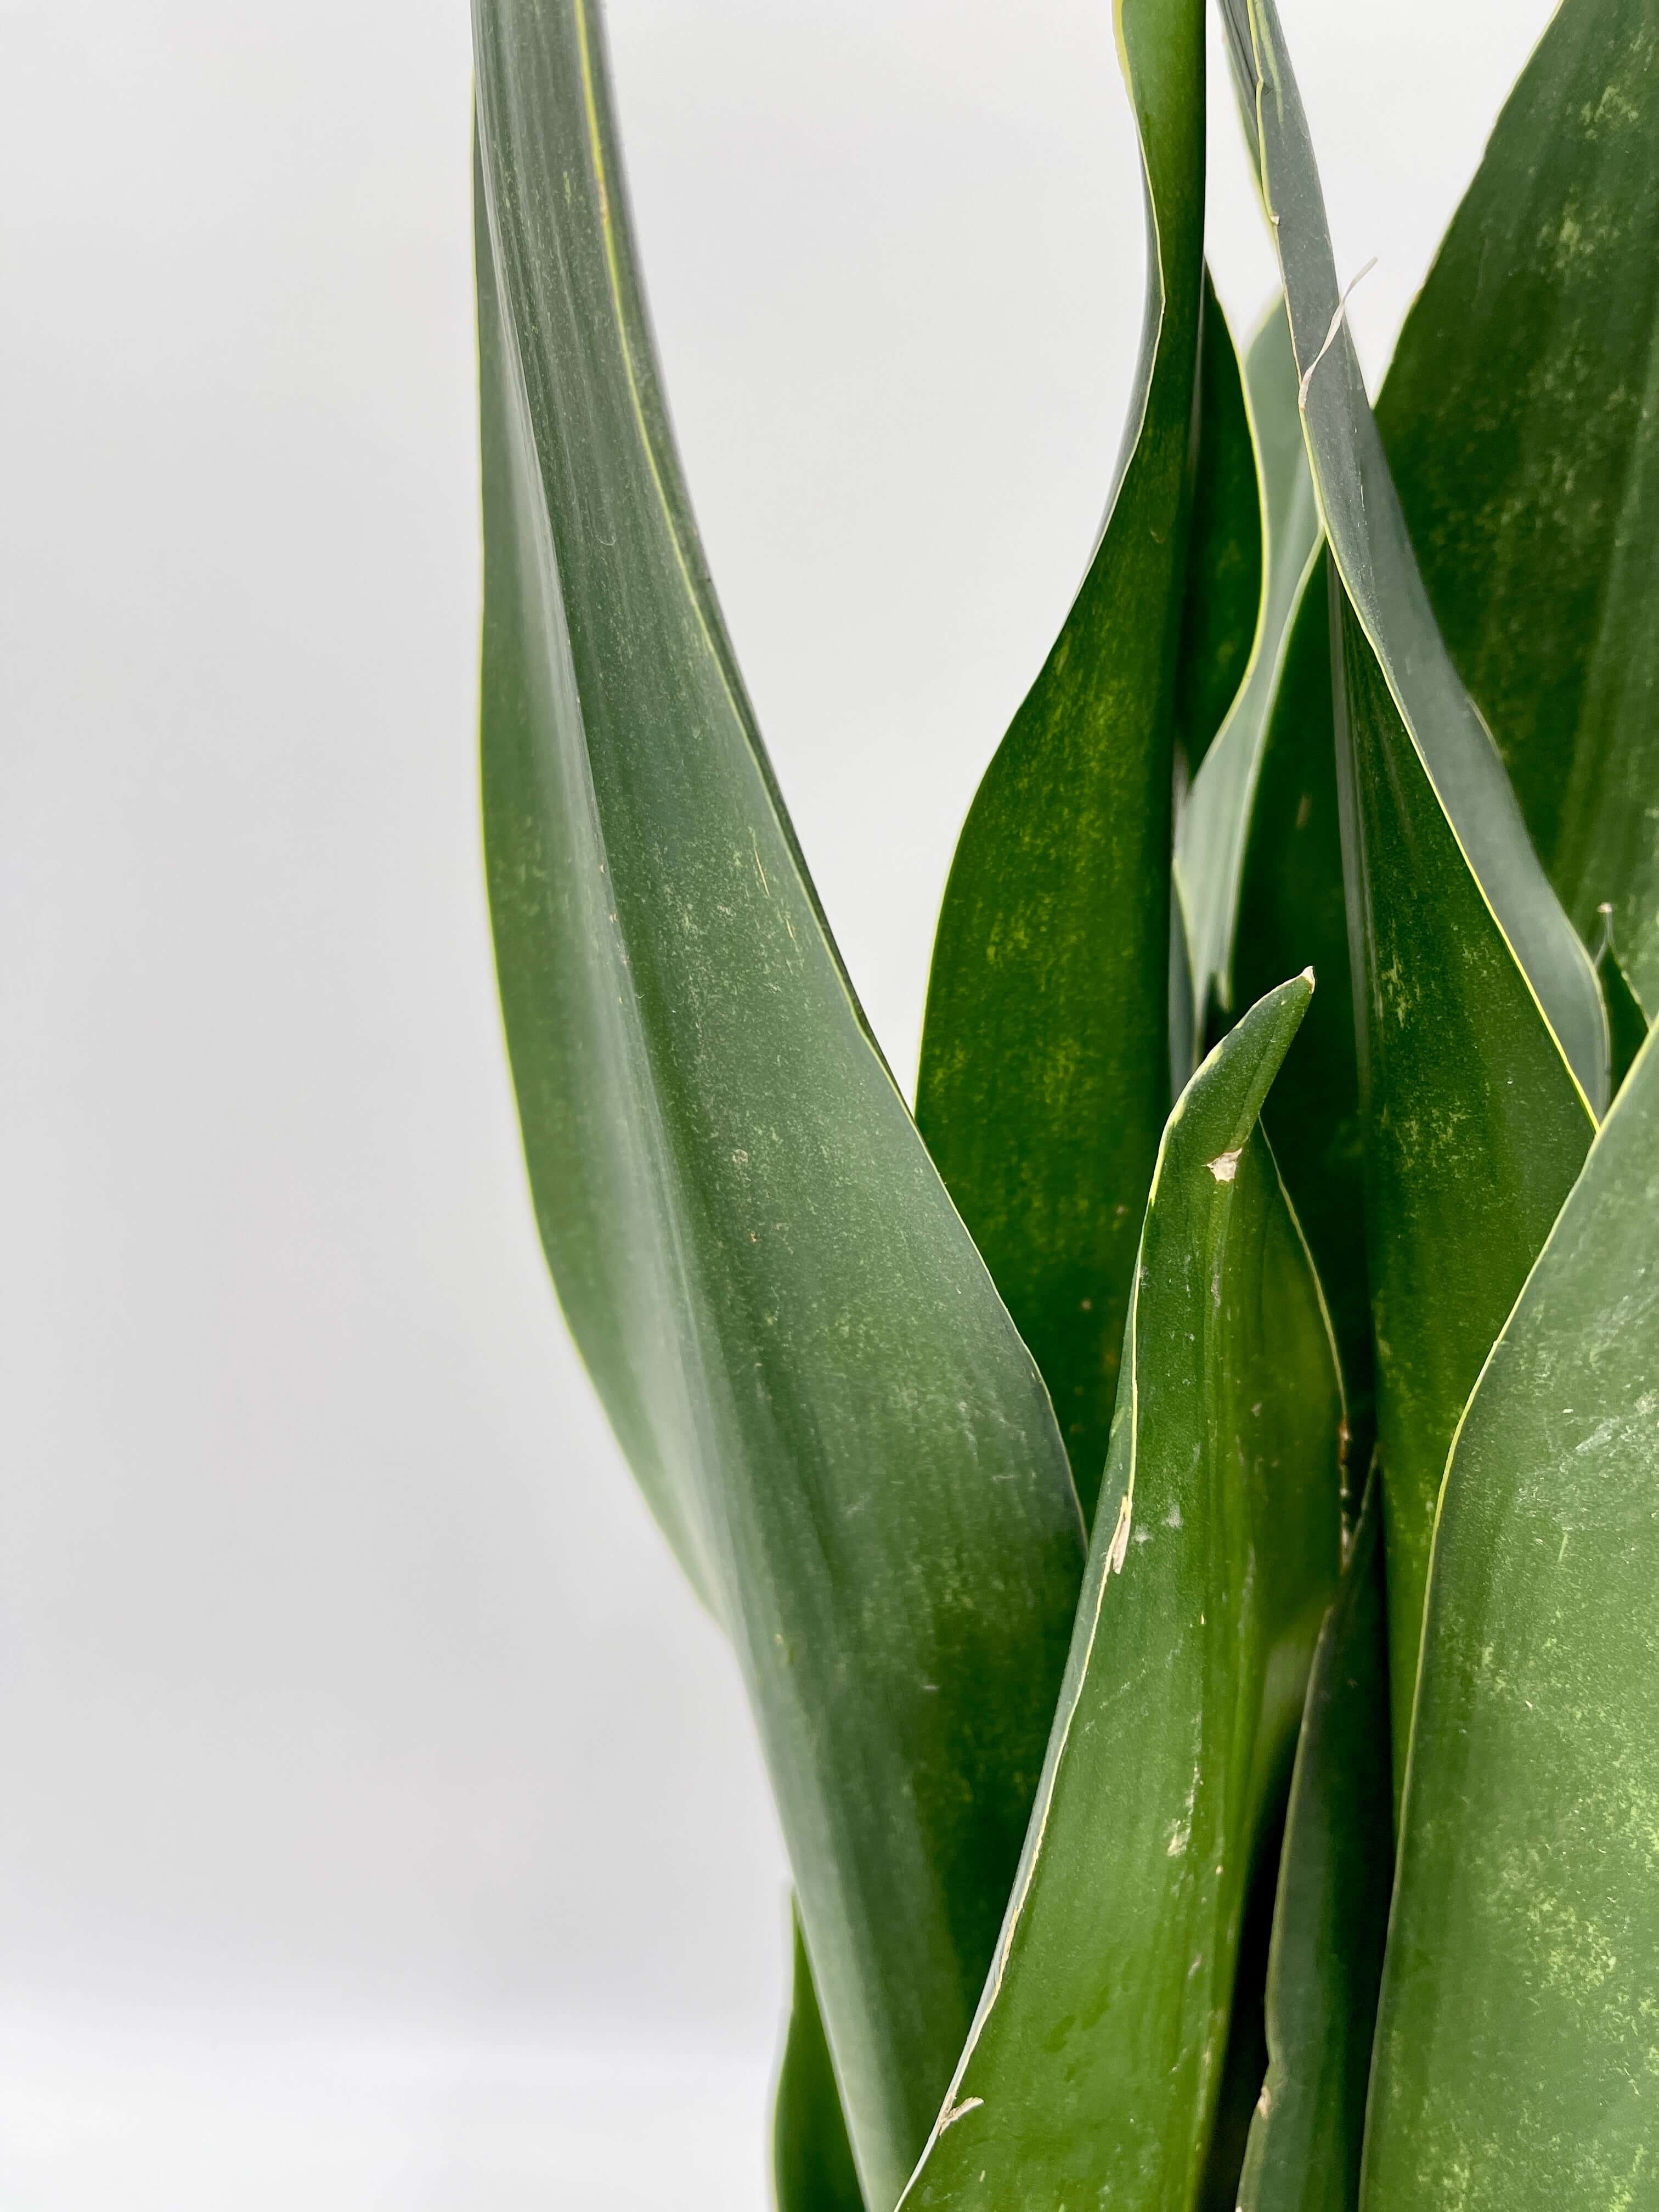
(1184, 1501)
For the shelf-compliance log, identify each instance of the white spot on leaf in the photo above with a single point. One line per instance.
(1118, 1549)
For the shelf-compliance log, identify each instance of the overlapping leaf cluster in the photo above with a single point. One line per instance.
(1218, 1437)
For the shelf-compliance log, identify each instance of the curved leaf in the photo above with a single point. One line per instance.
(1044, 1077)
(1093, 2068)
(1380, 576)
(1224, 546)
(796, 1341)
(1474, 1126)
(1210, 842)
(1517, 2048)
(1521, 416)
(1331, 1915)
(813, 2168)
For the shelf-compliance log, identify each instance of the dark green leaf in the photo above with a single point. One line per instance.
(1209, 845)
(1292, 911)
(1517, 2043)
(1093, 2068)
(1474, 1126)
(1522, 420)
(813, 2168)
(1224, 551)
(1380, 577)
(800, 1349)
(1475, 1129)
(1520, 427)
(1332, 1913)
(1044, 1077)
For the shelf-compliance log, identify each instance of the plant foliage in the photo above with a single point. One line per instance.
(1073, 1666)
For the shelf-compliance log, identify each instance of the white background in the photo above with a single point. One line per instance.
(379, 1820)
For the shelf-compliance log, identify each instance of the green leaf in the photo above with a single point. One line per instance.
(1519, 421)
(1373, 556)
(1522, 420)
(1475, 1129)
(1224, 549)
(1210, 841)
(797, 1344)
(1292, 912)
(1626, 1022)
(1475, 1125)
(1517, 2048)
(1332, 1911)
(813, 2168)
(1092, 2071)
(1044, 1077)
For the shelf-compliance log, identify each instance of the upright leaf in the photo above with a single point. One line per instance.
(1519, 421)
(1331, 1911)
(813, 2168)
(1044, 1076)
(1518, 2046)
(796, 1341)
(1373, 556)
(1258, 865)
(1224, 546)
(1475, 1130)
(1475, 1125)
(1292, 911)
(1522, 420)
(1210, 843)
(1092, 2071)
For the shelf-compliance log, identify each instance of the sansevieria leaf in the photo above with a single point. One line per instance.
(1474, 1123)
(1224, 546)
(1521, 416)
(1519, 422)
(1474, 1127)
(1045, 1065)
(1210, 843)
(798, 1346)
(1518, 2041)
(1331, 1914)
(1373, 556)
(1091, 2073)
(1292, 910)
(813, 2168)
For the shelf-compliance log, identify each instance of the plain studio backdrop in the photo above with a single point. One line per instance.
(381, 1823)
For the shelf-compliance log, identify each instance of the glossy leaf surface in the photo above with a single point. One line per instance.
(1373, 557)
(1331, 1915)
(1095, 2062)
(813, 2168)
(797, 1344)
(1474, 1124)
(1045, 1070)
(1518, 2045)
(1521, 420)
(1210, 844)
